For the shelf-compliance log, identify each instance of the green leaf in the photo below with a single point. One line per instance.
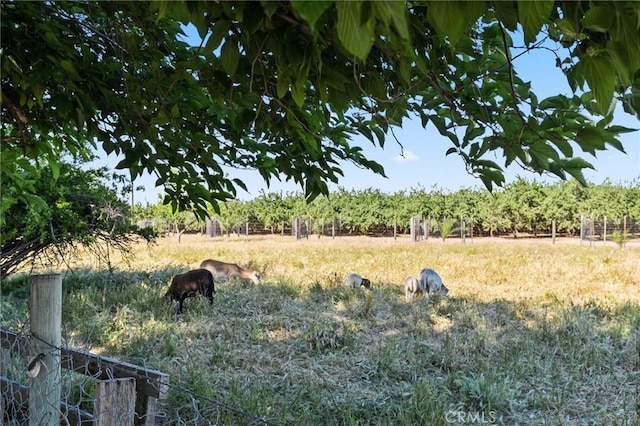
(229, 56)
(452, 18)
(311, 11)
(70, 69)
(297, 93)
(355, 32)
(393, 11)
(55, 169)
(591, 139)
(599, 72)
(507, 13)
(599, 18)
(533, 14)
(489, 177)
(561, 143)
(473, 132)
(282, 86)
(554, 102)
(574, 167)
(620, 129)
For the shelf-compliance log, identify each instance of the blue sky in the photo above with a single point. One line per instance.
(424, 164)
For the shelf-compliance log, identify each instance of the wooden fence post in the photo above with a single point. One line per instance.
(553, 231)
(426, 224)
(115, 402)
(604, 232)
(415, 226)
(44, 368)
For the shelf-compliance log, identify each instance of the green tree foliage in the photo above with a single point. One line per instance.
(607, 200)
(491, 215)
(74, 209)
(520, 207)
(231, 215)
(270, 210)
(565, 203)
(280, 87)
(321, 213)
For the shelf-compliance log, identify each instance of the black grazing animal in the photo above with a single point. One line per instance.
(189, 284)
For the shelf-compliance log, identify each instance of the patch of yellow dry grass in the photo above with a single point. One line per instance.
(532, 330)
(487, 269)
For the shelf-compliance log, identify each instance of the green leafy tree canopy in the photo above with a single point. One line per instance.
(280, 87)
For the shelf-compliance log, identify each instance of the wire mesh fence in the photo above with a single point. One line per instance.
(602, 230)
(41, 382)
(90, 389)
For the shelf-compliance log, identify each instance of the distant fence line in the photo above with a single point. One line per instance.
(463, 228)
(593, 230)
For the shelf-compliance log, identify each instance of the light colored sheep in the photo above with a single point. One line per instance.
(190, 284)
(430, 283)
(411, 288)
(356, 281)
(223, 271)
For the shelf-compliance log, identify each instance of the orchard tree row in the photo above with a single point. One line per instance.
(520, 206)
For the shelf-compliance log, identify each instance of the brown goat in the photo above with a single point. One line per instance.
(224, 270)
(190, 284)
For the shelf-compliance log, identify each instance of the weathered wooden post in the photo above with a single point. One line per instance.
(415, 226)
(44, 367)
(553, 231)
(115, 403)
(604, 232)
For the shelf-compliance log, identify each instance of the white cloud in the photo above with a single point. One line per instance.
(408, 156)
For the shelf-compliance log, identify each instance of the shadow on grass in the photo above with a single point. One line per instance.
(321, 353)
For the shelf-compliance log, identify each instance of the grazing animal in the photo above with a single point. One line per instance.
(223, 271)
(430, 283)
(190, 284)
(411, 288)
(355, 281)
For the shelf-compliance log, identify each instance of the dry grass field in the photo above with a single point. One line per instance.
(531, 333)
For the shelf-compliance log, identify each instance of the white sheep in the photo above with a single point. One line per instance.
(430, 283)
(223, 271)
(355, 281)
(411, 288)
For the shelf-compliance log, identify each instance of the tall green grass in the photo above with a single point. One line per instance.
(531, 334)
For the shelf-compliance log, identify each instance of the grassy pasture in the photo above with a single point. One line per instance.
(532, 333)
